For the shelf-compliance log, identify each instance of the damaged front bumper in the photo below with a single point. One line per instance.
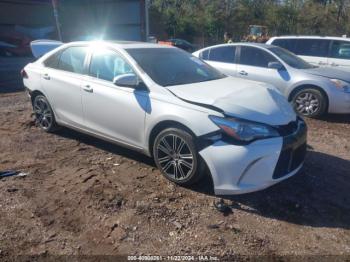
(238, 169)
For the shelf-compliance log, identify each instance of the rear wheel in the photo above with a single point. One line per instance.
(43, 113)
(175, 154)
(310, 102)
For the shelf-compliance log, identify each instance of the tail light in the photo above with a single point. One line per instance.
(24, 74)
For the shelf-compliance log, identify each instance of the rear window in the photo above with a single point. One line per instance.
(72, 59)
(204, 55)
(53, 60)
(312, 47)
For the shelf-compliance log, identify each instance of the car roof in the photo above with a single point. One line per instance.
(122, 44)
(311, 37)
(131, 44)
(240, 43)
(255, 44)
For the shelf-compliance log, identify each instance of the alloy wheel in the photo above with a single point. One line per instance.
(43, 113)
(175, 157)
(307, 104)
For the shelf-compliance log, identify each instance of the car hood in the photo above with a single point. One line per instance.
(329, 73)
(240, 98)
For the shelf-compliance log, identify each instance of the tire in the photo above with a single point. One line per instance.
(44, 115)
(179, 162)
(310, 102)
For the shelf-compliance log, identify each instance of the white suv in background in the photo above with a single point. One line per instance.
(317, 50)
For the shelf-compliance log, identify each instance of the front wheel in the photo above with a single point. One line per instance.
(43, 113)
(175, 154)
(310, 102)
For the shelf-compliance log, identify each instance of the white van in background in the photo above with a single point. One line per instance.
(317, 50)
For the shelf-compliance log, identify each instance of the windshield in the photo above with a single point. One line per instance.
(256, 30)
(290, 58)
(172, 66)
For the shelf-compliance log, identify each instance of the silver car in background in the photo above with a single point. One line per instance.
(312, 90)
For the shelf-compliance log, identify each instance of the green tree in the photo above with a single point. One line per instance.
(205, 21)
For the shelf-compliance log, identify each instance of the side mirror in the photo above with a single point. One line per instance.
(126, 80)
(275, 65)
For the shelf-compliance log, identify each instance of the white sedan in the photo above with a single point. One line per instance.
(173, 107)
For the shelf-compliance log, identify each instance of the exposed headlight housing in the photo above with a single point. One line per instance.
(244, 131)
(340, 84)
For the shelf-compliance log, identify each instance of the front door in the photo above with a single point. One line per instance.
(113, 111)
(253, 65)
(223, 58)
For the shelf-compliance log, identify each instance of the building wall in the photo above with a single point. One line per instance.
(79, 19)
(28, 13)
(110, 19)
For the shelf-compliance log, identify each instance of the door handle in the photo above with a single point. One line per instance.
(334, 64)
(88, 88)
(46, 76)
(321, 63)
(243, 73)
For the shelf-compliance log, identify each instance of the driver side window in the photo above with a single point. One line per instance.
(253, 56)
(107, 64)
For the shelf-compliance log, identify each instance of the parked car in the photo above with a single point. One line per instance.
(14, 44)
(5, 49)
(170, 105)
(331, 52)
(183, 44)
(312, 90)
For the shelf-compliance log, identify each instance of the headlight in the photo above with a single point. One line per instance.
(244, 131)
(342, 85)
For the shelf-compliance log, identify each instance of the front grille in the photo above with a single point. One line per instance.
(298, 157)
(288, 129)
(293, 150)
(289, 160)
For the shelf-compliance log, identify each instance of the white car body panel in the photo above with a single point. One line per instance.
(225, 161)
(127, 116)
(64, 91)
(316, 61)
(342, 64)
(126, 105)
(260, 74)
(224, 67)
(270, 108)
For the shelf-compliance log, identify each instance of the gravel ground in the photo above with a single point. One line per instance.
(83, 196)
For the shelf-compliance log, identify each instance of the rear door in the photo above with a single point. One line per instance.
(339, 56)
(253, 65)
(222, 58)
(315, 51)
(113, 111)
(61, 80)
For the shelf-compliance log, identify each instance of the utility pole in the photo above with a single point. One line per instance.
(147, 4)
(55, 13)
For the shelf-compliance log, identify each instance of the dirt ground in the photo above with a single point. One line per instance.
(83, 196)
